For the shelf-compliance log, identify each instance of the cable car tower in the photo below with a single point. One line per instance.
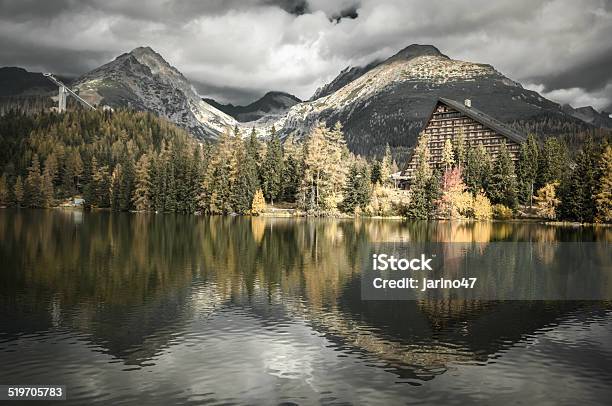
(63, 93)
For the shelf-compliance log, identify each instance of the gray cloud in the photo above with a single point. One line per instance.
(236, 50)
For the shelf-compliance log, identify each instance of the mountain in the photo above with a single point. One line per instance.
(589, 115)
(270, 104)
(351, 73)
(144, 81)
(19, 82)
(388, 101)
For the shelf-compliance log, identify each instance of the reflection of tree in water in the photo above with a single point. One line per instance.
(133, 281)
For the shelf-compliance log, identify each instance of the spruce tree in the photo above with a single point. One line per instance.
(459, 149)
(553, 162)
(603, 195)
(18, 192)
(421, 189)
(448, 155)
(503, 189)
(385, 167)
(272, 168)
(34, 184)
(527, 169)
(4, 191)
(578, 189)
(358, 191)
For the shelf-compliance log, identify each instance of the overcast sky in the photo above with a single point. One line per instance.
(236, 50)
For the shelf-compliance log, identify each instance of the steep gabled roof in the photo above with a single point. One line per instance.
(484, 119)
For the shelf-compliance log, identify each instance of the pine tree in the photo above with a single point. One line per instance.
(18, 192)
(553, 162)
(47, 190)
(478, 169)
(358, 191)
(577, 190)
(126, 183)
(459, 149)
(503, 189)
(272, 168)
(292, 169)
(115, 188)
(4, 191)
(34, 184)
(385, 167)
(375, 172)
(421, 188)
(603, 195)
(527, 169)
(141, 196)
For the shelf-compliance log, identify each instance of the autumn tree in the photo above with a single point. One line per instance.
(258, 205)
(4, 191)
(18, 192)
(546, 201)
(142, 185)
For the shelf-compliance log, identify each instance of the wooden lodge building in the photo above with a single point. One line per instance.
(449, 118)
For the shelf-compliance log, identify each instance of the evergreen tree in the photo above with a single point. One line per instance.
(421, 189)
(272, 168)
(142, 185)
(358, 189)
(478, 169)
(126, 183)
(553, 162)
(375, 176)
(503, 189)
(577, 190)
(527, 169)
(115, 188)
(292, 170)
(385, 167)
(47, 189)
(4, 191)
(459, 149)
(18, 192)
(603, 195)
(34, 197)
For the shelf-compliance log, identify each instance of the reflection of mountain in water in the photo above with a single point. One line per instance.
(135, 285)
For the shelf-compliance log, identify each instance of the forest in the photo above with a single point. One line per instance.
(132, 161)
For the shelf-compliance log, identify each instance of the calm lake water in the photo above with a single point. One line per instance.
(161, 309)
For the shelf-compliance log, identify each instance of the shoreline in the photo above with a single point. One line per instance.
(301, 215)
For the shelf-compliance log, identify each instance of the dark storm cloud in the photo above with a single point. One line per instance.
(236, 50)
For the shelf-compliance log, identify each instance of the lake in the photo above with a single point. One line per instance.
(163, 309)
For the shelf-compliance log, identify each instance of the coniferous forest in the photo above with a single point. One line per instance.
(129, 161)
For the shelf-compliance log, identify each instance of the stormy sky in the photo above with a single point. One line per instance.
(236, 50)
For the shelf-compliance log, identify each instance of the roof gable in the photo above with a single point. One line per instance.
(484, 119)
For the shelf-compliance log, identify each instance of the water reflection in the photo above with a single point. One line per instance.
(138, 287)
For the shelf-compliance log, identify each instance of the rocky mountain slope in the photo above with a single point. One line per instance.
(388, 102)
(143, 80)
(272, 104)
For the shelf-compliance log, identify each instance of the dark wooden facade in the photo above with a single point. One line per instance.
(449, 118)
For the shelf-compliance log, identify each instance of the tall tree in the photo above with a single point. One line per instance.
(448, 155)
(142, 185)
(358, 188)
(421, 187)
(577, 190)
(34, 196)
(4, 190)
(603, 193)
(553, 162)
(18, 192)
(459, 149)
(385, 167)
(527, 169)
(272, 168)
(503, 189)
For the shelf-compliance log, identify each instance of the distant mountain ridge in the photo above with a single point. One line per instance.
(272, 103)
(383, 102)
